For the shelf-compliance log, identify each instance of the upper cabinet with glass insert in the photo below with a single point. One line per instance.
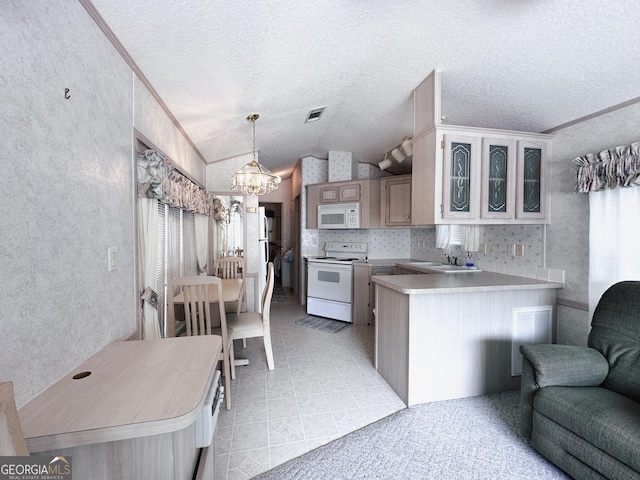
(471, 175)
(461, 177)
(533, 179)
(465, 175)
(498, 178)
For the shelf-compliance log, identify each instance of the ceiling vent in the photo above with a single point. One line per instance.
(314, 114)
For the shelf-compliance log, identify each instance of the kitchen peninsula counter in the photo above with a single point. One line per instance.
(470, 281)
(445, 336)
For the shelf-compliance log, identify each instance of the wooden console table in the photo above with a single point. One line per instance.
(128, 411)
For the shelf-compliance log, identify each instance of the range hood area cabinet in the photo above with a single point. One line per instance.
(467, 175)
(365, 191)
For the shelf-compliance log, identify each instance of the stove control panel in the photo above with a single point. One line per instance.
(346, 247)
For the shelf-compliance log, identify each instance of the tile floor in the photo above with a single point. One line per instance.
(324, 386)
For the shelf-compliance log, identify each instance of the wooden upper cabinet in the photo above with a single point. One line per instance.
(364, 191)
(329, 194)
(395, 196)
(340, 193)
(349, 193)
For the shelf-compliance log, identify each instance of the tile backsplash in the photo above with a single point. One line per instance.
(382, 243)
(419, 244)
(497, 239)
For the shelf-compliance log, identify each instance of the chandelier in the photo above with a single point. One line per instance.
(253, 177)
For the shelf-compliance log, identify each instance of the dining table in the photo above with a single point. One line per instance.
(232, 290)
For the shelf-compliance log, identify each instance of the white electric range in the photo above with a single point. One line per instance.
(330, 280)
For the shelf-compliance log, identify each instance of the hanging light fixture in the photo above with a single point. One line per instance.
(253, 177)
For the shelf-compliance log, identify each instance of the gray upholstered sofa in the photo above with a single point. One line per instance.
(581, 406)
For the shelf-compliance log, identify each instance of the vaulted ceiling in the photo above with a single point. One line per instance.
(513, 64)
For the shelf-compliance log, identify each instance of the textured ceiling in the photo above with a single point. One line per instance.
(513, 64)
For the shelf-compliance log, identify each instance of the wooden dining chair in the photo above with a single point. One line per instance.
(12, 443)
(232, 267)
(253, 324)
(197, 317)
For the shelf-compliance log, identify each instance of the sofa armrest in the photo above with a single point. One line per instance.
(566, 365)
(560, 365)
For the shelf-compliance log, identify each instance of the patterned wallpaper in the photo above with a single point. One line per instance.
(342, 166)
(367, 170)
(67, 193)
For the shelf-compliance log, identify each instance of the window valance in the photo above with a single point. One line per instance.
(222, 213)
(613, 168)
(158, 179)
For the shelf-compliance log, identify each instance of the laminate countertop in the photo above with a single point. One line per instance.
(134, 389)
(471, 281)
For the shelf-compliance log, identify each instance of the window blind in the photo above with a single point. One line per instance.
(161, 270)
(176, 253)
(189, 242)
(174, 243)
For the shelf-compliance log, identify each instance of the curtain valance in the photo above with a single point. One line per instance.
(158, 179)
(613, 168)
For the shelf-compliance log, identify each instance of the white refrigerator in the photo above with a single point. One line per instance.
(263, 254)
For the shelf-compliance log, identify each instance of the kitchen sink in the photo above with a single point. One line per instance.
(453, 269)
(423, 264)
(435, 267)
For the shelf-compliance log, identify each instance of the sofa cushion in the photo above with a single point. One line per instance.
(615, 332)
(604, 418)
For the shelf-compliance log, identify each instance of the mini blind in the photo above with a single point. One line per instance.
(161, 269)
(189, 244)
(176, 253)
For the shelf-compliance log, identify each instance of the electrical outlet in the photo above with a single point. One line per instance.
(519, 250)
(482, 248)
(112, 253)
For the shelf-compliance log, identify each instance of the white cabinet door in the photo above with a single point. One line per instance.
(498, 178)
(461, 177)
(532, 180)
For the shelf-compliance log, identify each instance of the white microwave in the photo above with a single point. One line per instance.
(339, 215)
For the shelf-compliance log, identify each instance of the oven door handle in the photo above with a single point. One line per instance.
(330, 266)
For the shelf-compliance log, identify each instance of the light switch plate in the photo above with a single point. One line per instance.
(112, 258)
